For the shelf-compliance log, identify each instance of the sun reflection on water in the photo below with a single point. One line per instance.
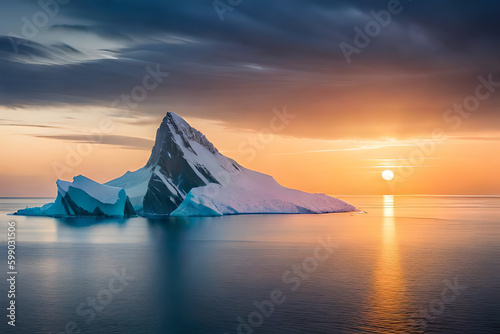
(389, 297)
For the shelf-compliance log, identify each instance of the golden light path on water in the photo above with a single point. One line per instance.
(388, 295)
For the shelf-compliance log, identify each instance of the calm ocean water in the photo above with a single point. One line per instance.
(411, 264)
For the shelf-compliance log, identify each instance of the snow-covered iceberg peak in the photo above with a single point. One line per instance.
(189, 176)
(174, 130)
(182, 159)
(184, 176)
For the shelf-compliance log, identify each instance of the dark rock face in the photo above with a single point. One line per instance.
(173, 175)
(129, 209)
(174, 181)
(73, 209)
(165, 142)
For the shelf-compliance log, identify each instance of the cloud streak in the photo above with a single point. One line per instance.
(264, 55)
(115, 140)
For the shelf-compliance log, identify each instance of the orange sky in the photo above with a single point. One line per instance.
(452, 165)
(355, 113)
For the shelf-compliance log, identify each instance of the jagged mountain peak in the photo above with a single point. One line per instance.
(175, 136)
(184, 176)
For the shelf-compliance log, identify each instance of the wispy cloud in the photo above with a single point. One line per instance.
(31, 125)
(477, 138)
(362, 148)
(395, 89)
(116, 140)
(393, 166)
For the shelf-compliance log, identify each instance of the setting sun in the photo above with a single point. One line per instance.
(388, 175)
(233, 166)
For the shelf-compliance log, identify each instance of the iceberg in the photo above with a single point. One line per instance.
(184, 176)
(84, 197)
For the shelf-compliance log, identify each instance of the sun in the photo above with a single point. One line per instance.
(388, 175)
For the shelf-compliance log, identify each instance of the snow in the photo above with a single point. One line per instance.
(102, 193)
(84, 197)
(184, 176)
(204, 153)
(135, 185)
(253, 192)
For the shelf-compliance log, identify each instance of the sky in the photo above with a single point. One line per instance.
(323, 95)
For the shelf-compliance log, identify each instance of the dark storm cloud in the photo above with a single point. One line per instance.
(22, 50)
(266, 54)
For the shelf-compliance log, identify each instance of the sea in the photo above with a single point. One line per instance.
(405, 264)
